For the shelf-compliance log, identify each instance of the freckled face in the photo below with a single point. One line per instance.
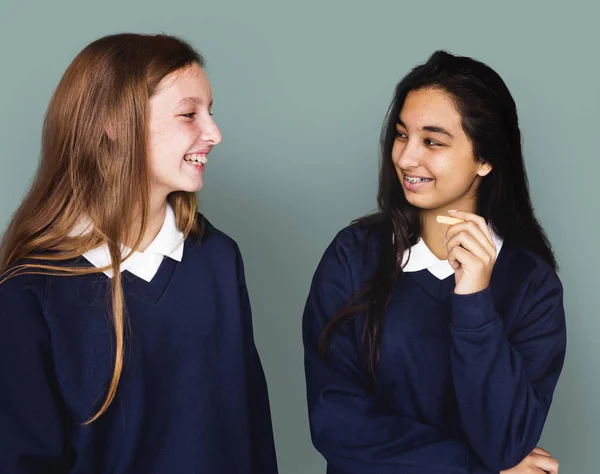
(181, 131)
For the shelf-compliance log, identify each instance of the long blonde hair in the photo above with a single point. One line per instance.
(85, 175)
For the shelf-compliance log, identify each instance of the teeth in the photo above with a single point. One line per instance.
(196, 158)
(412, 180)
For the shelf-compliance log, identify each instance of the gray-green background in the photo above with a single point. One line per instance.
(300, 91)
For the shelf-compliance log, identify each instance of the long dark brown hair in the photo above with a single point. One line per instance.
(489, 119)
(84, 174)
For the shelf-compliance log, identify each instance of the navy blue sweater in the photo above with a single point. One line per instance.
(192, 397)
(465, 382)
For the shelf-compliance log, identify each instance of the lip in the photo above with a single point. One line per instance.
(415, 186)
(197, 166)
(204, 151)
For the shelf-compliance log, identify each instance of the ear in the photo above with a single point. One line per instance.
(484, 169)
(110, 131)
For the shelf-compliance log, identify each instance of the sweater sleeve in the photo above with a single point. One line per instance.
(348, 427)
(32, 416)
(504, 382)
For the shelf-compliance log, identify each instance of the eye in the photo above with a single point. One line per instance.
(191, 115)
(400, 135)
(430, 142)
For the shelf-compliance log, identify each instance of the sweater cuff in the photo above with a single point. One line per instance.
(473, 311)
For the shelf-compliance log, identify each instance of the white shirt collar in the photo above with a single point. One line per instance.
(421, 258)
(168, 243)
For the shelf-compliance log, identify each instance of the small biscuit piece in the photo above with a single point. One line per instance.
(448, 220)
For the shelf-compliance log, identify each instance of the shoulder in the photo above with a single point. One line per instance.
(22, 300)
(356, 242)
(214, 247)
(19, 282)
(528, 268)
(214, 238)
(527, 289)
(351, 257)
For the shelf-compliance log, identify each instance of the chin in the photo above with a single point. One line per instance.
(194, 185)
(422, 202)
(430, 201)
(194, 189)
(188, 188)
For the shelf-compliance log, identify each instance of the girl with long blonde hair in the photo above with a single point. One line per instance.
(126, 341)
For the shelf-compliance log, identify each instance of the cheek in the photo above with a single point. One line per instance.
(441, 166)
(166, 140)
(452, 169)
(155, 138)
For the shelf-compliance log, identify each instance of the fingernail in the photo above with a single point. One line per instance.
(452, 211)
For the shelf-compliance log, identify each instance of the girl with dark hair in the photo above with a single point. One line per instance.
(436, 347)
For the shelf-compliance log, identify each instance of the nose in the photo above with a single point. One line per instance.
(210, 132)
(409, 156)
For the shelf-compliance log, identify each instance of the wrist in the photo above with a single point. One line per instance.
(473, 310)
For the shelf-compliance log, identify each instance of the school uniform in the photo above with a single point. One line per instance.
(464, 382)
(192, 397)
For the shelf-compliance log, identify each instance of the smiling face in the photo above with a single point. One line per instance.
(433, 156)
(181, 132)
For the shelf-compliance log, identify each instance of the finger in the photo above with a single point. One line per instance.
(460, 256)
(452, 260)
(480, 221)
(474, 230)
(470, 243)
(545, 463)
(542, 451)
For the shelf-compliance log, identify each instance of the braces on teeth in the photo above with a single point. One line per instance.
(416, 180)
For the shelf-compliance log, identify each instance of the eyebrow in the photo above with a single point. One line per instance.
(193, 100)
(429, 128)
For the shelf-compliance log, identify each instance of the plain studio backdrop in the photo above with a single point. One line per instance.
(300, 92)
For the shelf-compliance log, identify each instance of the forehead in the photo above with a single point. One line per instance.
(424, 107)
(189, 82)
